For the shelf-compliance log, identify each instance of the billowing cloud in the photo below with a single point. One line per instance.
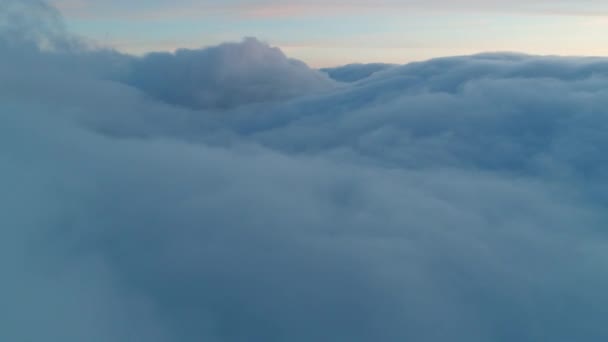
(30, 22)
(225, 76)
(455, 199)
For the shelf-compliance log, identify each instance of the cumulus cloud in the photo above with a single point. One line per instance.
(457, 199)
(225, 76)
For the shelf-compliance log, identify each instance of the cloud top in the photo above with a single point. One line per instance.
(225, 76)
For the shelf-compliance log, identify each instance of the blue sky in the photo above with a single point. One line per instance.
(333, 32)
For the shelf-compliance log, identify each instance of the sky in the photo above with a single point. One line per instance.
(335, 32)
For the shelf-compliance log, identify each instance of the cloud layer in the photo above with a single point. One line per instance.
(355, 72)
(232, 194)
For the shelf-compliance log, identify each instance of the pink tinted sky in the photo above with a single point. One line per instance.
(334, 32)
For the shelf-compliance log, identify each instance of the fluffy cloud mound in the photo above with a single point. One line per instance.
(459, 199)
(225, 76)
(501, 112)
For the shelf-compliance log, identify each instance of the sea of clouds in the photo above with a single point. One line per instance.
(233, 194)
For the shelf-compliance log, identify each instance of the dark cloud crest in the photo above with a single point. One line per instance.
(455, 199)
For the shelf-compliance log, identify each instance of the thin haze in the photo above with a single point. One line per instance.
(334, 32)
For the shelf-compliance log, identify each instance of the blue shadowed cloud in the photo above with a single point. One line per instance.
(233, 194)
(225, 75)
